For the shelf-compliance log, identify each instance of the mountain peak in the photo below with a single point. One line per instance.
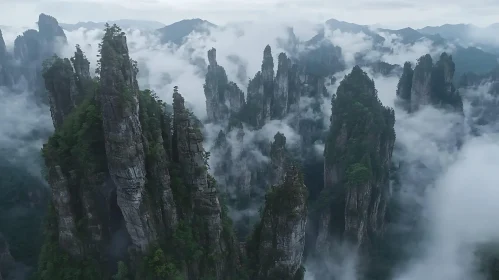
(177, 31)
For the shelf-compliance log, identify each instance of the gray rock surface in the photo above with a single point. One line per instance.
(123, 137)
(282, 233)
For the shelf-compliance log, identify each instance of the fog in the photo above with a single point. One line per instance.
(456, 189)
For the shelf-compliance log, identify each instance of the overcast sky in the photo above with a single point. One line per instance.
(389, 13)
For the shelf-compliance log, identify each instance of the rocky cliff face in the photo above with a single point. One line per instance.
(404, 85)
(280, 96)
(123, 136)
(294, 94)
(356, 170)
(6, 78)
(280, 236)
(279, 158)
(223, 98)
(61, 84)
(33, 47)
(430, 84)
(126, 173)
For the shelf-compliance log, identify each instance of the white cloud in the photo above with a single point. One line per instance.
(387, 12)
(422, 137)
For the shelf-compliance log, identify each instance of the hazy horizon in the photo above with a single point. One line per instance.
(383, 13)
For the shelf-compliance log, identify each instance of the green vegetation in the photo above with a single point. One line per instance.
(404, 85)
(444, 94)
(78, 147)
(79, 144)
(55, 264)
(122, 273)
(361, 129)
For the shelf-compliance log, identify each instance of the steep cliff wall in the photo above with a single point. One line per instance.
(357, 164)
(129, 180)
(276, 248)
(430, 84)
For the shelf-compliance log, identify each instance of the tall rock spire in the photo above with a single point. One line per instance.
(278, 159)
(50, 30)
(223, 98)
(267, 82)
(281, 88)
(430, 84)
(3, 47)
(205, 209)
(281, 232)
(61, 86)
(123, 135)
(6, 77)
(214, 89)
(356, 177)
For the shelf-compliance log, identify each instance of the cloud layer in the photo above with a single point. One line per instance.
(458, 207)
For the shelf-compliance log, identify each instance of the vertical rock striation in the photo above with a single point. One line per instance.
(281, 88)
(280, 236)
(205, 204)
(6, 77)
(123, 135)
(404, 85)
(61, 85)
(223, 98)
(32, 48)
(267, 83)
(430, 84)
(357, 165)
(124, 172)
(278, 159)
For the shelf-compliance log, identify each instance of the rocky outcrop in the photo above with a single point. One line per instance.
(404, 85)
(223, 98)
(81, 67)
(123, 136)
(205, 203)
(281, 233)
(66, 219)
(31, 49)
(236, 98)
(255, 101)
(158, 147)
(3, 47)
(281, 88)
(127, 177)
(356, 176)
(61, 85)
(267, 83)
(261, 92)
(214, 89)
(6, 77)
(430, 84)
(244, 171)
(421, 83)
(278, 159)
(49, 29)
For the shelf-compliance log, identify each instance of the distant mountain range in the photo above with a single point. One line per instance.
(476, 49)
(466, 34)
(123, 23)
(176, 32)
